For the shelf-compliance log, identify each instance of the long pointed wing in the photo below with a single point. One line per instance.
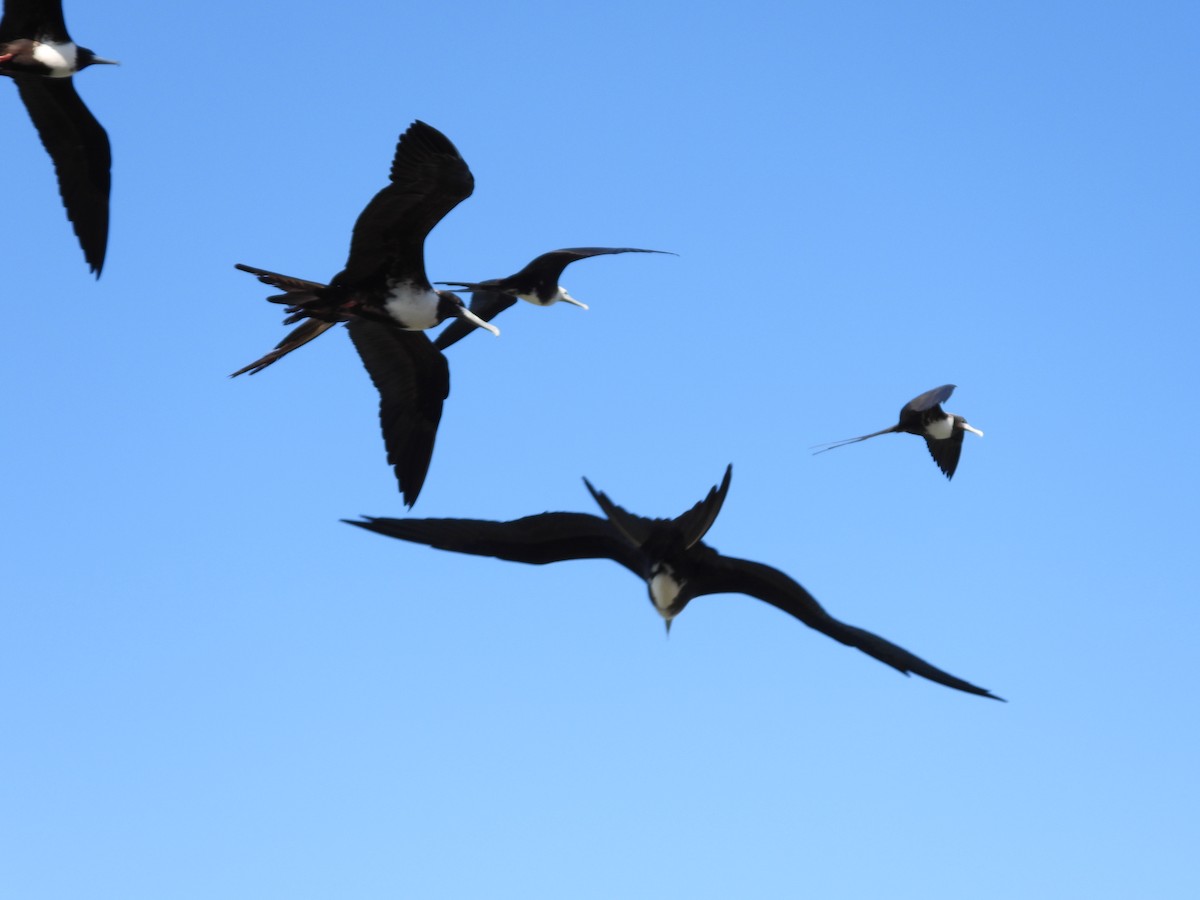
(946, 452)
(413, 380)
(33, 19)
(429, 178)
(545, 538)
(696, 521)
(692, 525)
(79, 147)
(549, 266)
(739, 576)
(485, 304)
(635, 529)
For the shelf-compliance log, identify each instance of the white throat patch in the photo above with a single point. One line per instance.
(941, 429)
(664, 589)
(413, 307)
(59, 57)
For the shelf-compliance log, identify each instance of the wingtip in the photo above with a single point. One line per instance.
(591, 489)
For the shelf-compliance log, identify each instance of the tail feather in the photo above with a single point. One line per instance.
(296, 338)
(298, 294)
(283, 282)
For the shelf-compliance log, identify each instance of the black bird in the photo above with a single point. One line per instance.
(668, 554)
(387, 301)
(40, 57)
(924, 416)
(537, 283)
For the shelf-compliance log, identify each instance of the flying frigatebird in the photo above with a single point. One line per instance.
(537, 283)
(668, 554)
(38, 54)
(386, 300)
(924, 417)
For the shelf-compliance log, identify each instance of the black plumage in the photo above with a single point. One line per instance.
(38, 54)
(385, 297)
(537, 283)
(924, 417)
(668, 554)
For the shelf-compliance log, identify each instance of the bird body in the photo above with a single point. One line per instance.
(50, 59)
(669, 555)
(537, 283)
(386, 300)
(924, 417)
(384, 277)
(37, 53)
(414, 307)
(665, 589)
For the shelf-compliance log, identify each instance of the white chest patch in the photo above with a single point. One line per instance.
(413, 307)
(59, 57)
(664, 588)
(560, 294)
(941, 429)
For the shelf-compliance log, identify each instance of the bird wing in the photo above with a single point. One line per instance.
(928, 400)
(636, 529)
(485, 304)
(549, 266)
(738, 576)
(33, 19)
(692, 525)
(946, 451)
(79, 147)
(413, 380)
(545, 538)
(696, 521)
(429, 178)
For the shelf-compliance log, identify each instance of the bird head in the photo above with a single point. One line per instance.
(567, 298)
(451, 305)
(85, 58)
(962, 423)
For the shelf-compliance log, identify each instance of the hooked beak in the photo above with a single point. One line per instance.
(567, 298)
(465, 313)
(668, 622)
(967, 427)
(100, 60)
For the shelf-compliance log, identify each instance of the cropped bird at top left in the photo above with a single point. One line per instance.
(387, 301)
(37, 53)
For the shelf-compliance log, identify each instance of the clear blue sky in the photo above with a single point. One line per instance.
(212, 688)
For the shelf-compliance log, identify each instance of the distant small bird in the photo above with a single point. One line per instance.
(40, 57)
(924, 417)
(668, 554)
(537, 283)
(387, 301)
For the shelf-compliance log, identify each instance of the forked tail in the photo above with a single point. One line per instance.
(833, 445)
(297, 292)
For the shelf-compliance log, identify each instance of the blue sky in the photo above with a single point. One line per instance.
(211, 687)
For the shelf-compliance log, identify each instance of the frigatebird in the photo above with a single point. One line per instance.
(924, 417)
(386, 300)
(38, 54)
(668, 554)
(537, 283)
